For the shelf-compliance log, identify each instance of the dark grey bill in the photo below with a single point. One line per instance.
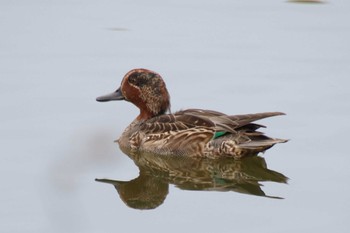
(117, 95)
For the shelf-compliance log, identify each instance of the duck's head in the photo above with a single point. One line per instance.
(144, 88)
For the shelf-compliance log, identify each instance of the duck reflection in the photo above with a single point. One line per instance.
(150, 188)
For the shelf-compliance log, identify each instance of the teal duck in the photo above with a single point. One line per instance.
(191, 132)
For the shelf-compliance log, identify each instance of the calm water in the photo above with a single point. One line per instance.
(230, 56)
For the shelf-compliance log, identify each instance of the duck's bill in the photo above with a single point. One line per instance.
(117, 95)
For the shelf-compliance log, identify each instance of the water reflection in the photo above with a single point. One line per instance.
(150, 188)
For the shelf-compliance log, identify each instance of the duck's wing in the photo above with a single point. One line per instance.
(231, 123)
(175, 123)
(179, 134)
(221, 122)
(246, 119)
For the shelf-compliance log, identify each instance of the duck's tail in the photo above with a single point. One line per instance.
(261, 145)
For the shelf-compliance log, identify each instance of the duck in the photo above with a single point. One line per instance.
(190, 132)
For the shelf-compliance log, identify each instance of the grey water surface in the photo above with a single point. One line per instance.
(236, 57)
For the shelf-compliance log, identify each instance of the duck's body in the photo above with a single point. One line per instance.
(192, 132)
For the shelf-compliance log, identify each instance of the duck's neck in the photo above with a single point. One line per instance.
(146, 114)
(148, 111)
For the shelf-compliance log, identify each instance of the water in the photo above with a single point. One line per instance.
(235, 57)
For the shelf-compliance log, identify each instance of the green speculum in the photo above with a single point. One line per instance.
(219, 134)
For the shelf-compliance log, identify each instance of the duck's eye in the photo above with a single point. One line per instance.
(133, 80)
(138, 80)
